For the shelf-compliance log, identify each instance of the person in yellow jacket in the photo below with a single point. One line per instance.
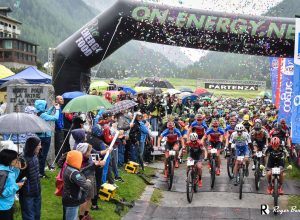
(247, 123)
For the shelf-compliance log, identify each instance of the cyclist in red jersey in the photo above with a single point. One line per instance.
(173, 136)
(215, 138)
(197, 152)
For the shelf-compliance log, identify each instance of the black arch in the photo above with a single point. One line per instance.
(264, 36)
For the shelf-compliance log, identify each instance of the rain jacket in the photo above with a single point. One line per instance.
(41, 106)
(76, 186)
(144, 131)
(7, 197)
(32, 185)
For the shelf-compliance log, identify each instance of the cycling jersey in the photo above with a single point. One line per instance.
(240, 140)
(196, 149)
(171, 137)
(259, 138)
(199, 128)
(276, 157)
(241, 143)
(229, 129)
(214, 136)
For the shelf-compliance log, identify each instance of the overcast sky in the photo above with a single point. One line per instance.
(248, 7)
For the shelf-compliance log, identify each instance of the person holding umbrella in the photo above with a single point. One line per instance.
(45, 137)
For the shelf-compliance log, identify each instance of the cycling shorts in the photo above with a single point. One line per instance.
(169, 146)
(195, 154)
(242, 151)
(275, 163)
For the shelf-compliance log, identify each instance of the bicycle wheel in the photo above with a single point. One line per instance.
(241, 178)
(275, 193)
(189, 186)
(257, 175)
(170, 173)
(212, 173)
(195, 181)
(230, 166)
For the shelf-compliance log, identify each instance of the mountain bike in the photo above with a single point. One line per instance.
(170, 168)
(192, 179)
(230, 155)
(258, 172)
(241, 174)
(213, 166)
(275, 184)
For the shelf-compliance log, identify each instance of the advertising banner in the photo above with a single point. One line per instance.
(286, 89)
(296, 88)
(274, 74)
(225, 86)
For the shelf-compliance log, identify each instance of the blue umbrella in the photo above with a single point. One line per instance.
(128, 89)
(72, 95)
(192, 97)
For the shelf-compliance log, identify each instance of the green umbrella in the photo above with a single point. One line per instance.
(86, 103)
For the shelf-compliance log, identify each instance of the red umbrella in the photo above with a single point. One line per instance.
(200, 91)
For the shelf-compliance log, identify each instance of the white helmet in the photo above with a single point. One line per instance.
(193, 136)
(239, 127)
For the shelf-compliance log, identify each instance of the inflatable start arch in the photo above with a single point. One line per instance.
(131, 19)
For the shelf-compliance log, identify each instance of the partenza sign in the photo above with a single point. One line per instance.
(230, 86)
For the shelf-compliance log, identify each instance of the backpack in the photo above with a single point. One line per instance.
(135, 133)
(59, 182)
(3, 178)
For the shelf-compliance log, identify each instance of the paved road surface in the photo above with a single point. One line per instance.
(220, 203)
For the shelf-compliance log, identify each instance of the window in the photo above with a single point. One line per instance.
(7, 54)
(1, 34)
(14, 27)
(7, 44)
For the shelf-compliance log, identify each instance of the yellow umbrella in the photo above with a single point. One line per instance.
(5, 72)
(99, 85)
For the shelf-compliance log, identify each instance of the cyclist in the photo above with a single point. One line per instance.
(229, 130)
(259, 137)
(277, 154)
(196, 153)
(277, 131)
(247, 123)
(241, 139)
(173, 135)
(287, 130)
(215, 137)
(198, 126)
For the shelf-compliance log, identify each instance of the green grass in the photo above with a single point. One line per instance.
(156, 196)
(52, 205)
(193, 84)
(293, 174)
(294, 201)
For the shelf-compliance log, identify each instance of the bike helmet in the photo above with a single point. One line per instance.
(239, 127)
(257, 126)
(258, 121)
(246, 118)
(193, 136)
(171, 125)
(275, 142)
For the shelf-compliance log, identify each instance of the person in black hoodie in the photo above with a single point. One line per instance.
(30, 193)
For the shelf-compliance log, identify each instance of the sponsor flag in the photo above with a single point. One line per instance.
(274, 74)
(296, 87)
(278, 84)
(286, 89)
